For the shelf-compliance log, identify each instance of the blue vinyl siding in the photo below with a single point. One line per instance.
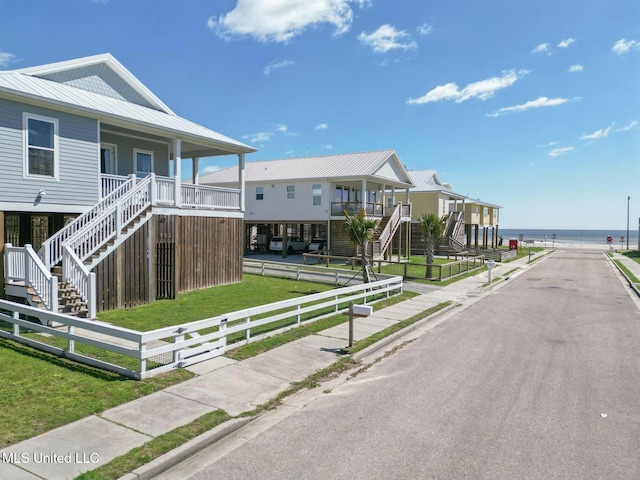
(78, 155)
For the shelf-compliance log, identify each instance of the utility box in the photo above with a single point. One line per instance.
(513, 244)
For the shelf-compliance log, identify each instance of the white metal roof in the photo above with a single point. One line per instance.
(382, 166)
(24, 86)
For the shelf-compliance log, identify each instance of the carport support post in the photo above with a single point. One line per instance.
(285, 238)
(350, 324)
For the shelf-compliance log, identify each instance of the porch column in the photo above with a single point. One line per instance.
(364, 196)
(393, 195)
(241, 181)
(194, 170)
(177, 171)
(384, 197)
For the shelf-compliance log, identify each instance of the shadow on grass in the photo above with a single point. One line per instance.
(65, 363)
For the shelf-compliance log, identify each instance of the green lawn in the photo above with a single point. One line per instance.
(200, 304)
(48, 391)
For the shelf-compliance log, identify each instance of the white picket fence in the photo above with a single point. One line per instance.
(142, 354)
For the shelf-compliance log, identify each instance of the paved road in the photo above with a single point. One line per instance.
(538, 380)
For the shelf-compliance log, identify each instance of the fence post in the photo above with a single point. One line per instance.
(71, 344)
(27, 277)
(297, 273)
(16, 327)
(92, 296)
(440, 277)
(54, 293)
(247, 330)
(142, 366)
(262, 269)
(298, 316)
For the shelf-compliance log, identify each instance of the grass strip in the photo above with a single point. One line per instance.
(627, 272)
(256, 348)
(162, 444)
(154, 448)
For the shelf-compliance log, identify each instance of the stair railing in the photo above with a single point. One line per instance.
(80, 278)
(111, 222)
(51, 250)
(384, 239)
(23, 264)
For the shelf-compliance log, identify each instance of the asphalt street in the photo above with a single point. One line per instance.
(538, 380)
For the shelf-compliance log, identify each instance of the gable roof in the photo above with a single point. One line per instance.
(429, 181)
(98, 74)
(47, 86)
(379, 166)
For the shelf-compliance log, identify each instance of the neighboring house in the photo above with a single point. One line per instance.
(306, 198)
(465, 216)
(91, 169)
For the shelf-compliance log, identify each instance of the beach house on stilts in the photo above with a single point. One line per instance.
(93, 211)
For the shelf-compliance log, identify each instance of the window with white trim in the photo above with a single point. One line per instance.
(317, 194)
(291, 192)
(41, 146)
(144, 162)
(259, 193)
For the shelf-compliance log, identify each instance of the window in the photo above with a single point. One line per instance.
(317, 194)
(144, 162)
(259, 193)
(291, 192)
(41, 145)
(108, 158)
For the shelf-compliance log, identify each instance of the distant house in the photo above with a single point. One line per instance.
(466, 217)
(91, 174)
(307, 198)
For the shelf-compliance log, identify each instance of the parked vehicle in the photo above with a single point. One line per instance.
(317, 245)
(294, 244)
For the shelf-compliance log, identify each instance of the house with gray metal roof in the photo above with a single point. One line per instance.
(91, 183)
(307, 197)
(466, 217)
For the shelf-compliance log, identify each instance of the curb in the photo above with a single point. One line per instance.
(181, 453)
(399, 334)
(631, 284)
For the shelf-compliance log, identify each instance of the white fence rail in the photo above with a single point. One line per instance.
(143, 354)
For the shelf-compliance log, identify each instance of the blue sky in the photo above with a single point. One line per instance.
(531, 105)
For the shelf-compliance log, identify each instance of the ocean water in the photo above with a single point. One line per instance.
(576, 237)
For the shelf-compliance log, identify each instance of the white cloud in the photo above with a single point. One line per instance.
(576, 68)
(602, 133)
(329, 147)
(566, 42)
(543, 47)
(624, 46)
(281, 20)
(321, 126)
(424, 29)
(6, 59)
(387, 38)
(281, 128)
(556, 152)
(483, 89)
(628, 127)
(537, 103)
(258, 137)
(274, 66)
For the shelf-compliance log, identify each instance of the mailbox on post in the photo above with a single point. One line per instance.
(357, 311)
(491, 264)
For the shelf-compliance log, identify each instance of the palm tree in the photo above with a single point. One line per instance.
(360, 231)
(431, 228)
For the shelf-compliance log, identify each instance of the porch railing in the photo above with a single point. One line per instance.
(371, 210)
(384, 239)
(80, 278)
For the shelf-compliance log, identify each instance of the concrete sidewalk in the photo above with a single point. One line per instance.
(632, 265)
(222, 383)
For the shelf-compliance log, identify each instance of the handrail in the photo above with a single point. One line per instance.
(51, 250)
(80, 278)
(111, 221)
(389, 230)
(23, 264)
